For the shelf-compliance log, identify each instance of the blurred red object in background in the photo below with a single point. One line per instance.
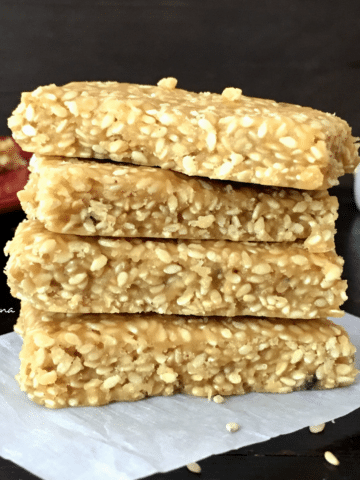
(14, 173)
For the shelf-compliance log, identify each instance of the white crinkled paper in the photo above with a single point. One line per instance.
(125, 441)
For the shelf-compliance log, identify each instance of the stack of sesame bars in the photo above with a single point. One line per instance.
(177, 242)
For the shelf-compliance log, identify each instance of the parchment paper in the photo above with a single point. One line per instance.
(126, 441)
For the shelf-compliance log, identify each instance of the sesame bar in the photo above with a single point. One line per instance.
(95, 359)
(68, 273)
(90, 198)
(227, 137)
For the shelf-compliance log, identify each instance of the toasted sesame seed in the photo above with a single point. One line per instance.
(330, 457)
(317, 428)
(194, 467)
(288, 142)
(219, 399)
(29, 130)
(168, 83)
(262, 130)
(232, 427)
(98, 263)
(247, 121)
(232, 94)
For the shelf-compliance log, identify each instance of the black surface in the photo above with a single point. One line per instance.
(298, 51)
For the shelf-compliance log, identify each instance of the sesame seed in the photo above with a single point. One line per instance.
(288, 142)
(218, 399)
(330, 457)
(317, 428)
(193, 467)
(232, 427)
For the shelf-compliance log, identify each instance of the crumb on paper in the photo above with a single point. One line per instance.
(317, 428)
(219, 399)
(232, 427)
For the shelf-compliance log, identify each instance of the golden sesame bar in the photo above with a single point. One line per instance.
(228, 136)
(104, 199)
(68, 273)
(95, 359)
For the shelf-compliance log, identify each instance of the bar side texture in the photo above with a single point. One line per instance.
(68, 273)
(104, 199)
(77, 360)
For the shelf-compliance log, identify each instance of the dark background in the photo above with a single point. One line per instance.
(298, 51)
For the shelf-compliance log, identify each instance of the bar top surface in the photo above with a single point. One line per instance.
(228, 136)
